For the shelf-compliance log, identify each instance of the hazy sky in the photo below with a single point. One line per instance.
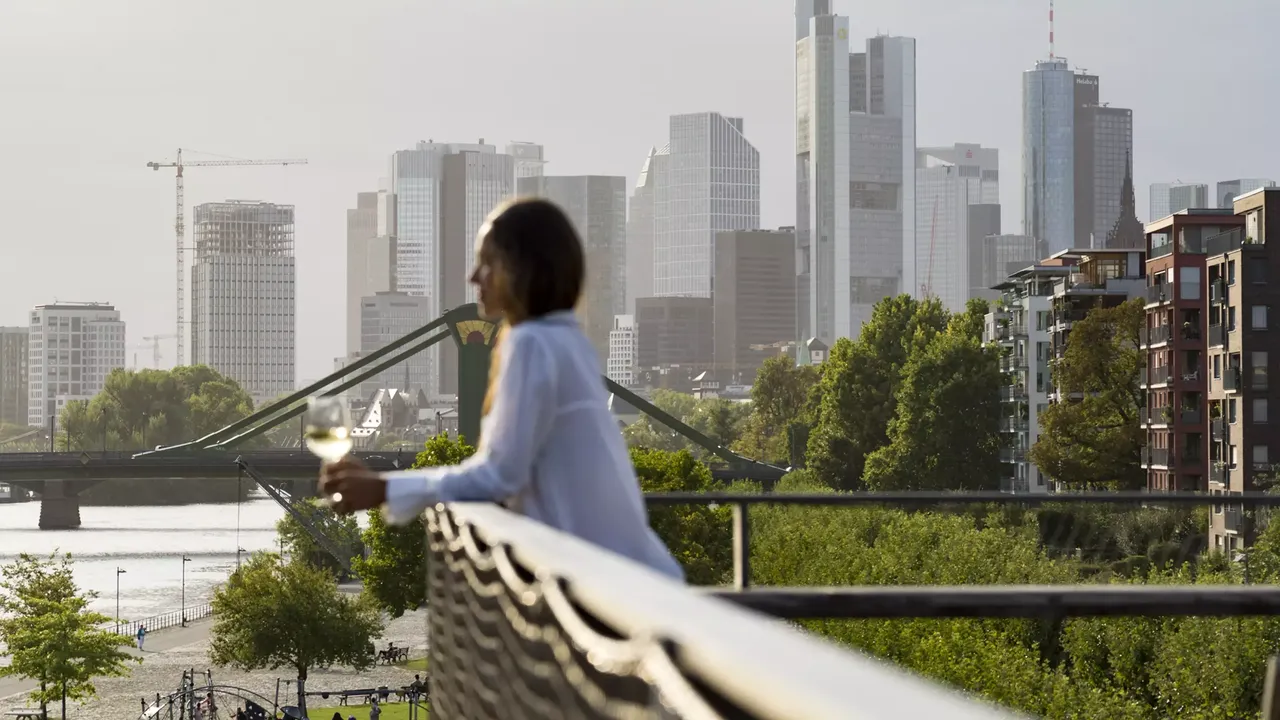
(90, 90)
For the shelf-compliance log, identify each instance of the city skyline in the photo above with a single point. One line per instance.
(757, 89)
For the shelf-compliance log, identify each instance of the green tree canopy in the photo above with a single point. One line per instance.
(290, 615)
(783, 398)
(394, 573)
(1093, 438)
(51, 635)
(718, 419)
(342, 531)
(699, 536)
(859, 387)
(945, 433)
(146, 408)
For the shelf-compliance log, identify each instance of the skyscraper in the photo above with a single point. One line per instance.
(529, 160)
(949, 181)
(711, 183)
(639, 245)
(1229, 190)
(443, 193)
(72, 348)
(1076, 153)
(14, 376)
(243, 302)
(371, 248)
(855, 172)
(597, 206)
(384, 318)
(1170, 198)
(1048, 154)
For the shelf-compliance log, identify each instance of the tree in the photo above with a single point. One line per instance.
(859, 387)
(783, 396)
(274, 615)
(720, 420)
(394, 572)
(1094, 439)
(51, 635)
(143, 409)
(343, 532)
(945, 434)
(700, 537)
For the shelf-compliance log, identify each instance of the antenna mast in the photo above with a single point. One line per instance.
(1051, 55)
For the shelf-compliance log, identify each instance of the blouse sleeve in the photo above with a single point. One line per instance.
(515, 429)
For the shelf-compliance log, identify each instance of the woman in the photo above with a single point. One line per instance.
(550, 446)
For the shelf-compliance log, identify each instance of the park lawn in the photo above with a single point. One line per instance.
(415, 664)
(390, 711)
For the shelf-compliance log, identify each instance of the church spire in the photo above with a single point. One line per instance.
(1128, 231)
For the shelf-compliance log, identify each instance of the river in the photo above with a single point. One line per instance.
(148, 543)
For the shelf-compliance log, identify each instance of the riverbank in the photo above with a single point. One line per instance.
(169, 652)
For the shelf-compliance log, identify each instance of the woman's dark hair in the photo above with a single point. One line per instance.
(539, 256)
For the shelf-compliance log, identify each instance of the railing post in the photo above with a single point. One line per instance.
(741, 547)
(1271, 686)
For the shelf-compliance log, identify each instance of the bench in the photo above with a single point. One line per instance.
(27, 713)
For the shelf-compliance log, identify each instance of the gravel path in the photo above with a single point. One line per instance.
(169, 652)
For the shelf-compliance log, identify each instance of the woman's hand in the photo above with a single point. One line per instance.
(359, 487)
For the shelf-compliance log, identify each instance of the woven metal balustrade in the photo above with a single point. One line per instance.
(529, 623)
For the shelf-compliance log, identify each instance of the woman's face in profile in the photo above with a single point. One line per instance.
(485, 277)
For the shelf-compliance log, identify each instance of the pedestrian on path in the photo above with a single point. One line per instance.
(142, 636)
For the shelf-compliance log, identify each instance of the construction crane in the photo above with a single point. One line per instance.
(155, 346)
(180, 227)
(926, 287)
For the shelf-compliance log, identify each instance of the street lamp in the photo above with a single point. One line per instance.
(185, 560)
(239, 551)
(119, 572)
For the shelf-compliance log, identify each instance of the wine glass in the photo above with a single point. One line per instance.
(328, 431)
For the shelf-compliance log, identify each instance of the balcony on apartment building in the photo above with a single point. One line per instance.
(1007, 331)
(1013, 393)
(1218, 473)
(1157, 457)
(1155, 415)
(1013, 363)
(1012, 455)
(1225, 242)
(1015, 425)
(1218, 429)
(1190, 416)
(1158, 375)
(1231, 379)
(1158, 335)
(1159, 294)
(1217, 335)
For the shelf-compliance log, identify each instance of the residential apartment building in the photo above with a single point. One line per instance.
(950, 181)
(384, 318)
(243, 295)
(755, 295)
(14, 375)
(597, 207)
(711, 183)
(621, 366)
(1020, 323)
(1169, 198)
(1174, 339)
(71, 349)
(371, 254)
(1033, 321)
(1241, 271)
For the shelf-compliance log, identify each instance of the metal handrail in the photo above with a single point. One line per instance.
(162, 621)
(682, 639)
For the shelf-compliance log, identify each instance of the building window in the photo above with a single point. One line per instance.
(1231, 455)
(1231, 411)
(1260, 455)
(1217, 367)
(1259, 317)
(1231, 272)
(1259, 410)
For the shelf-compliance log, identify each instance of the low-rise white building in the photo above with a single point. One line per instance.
(72, 347)
(621, 367)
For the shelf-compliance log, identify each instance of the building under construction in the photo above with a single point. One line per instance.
(243, 302)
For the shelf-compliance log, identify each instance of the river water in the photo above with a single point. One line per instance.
(148, 544)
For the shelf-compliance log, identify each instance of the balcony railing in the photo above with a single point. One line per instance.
(1159, 375)
(1158, 334)
(1218, 429)
(1218, 292)
(1158, 294)
(1159, 251)
(1013, 363)
(1191, 416)
(1155, 416)
(1217, 335)
(1160, 457)
(1012, 455)
(1013, 393)
(601, 637)
(1016, 424)
(1224, 242)
(1218, 473)
(1231, 379)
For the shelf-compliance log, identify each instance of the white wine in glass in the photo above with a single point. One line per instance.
(328, 431)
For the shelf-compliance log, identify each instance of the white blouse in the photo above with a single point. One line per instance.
(551, 446)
